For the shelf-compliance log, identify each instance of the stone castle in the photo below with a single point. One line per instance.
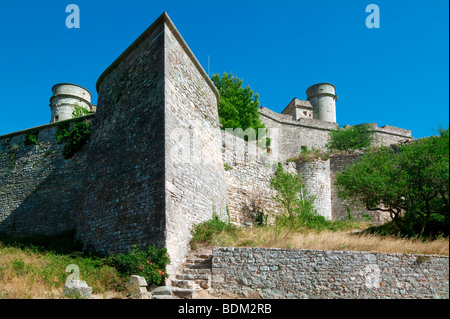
(157, 161)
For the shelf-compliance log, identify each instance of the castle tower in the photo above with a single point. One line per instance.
(65, 97)
(322, 97)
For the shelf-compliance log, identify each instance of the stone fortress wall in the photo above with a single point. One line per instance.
(156, 162)
(39, 189)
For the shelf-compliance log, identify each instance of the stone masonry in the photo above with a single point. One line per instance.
(157, 162)
(310, 274)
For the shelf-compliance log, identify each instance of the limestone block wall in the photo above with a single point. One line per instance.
(387, 135)
(316, 176)
(39, 189)
(309, 274)
(292, 135)
(248, 173)
(123, 201)
(194, 170)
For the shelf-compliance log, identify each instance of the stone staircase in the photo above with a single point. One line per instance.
(194, 276)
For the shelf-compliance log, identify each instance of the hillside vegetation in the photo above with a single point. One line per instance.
(35, 267)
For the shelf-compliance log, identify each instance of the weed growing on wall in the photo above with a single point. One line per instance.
(74, 138)
(31, 137)
(10, 152)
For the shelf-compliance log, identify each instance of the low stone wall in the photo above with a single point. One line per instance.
(286, 273)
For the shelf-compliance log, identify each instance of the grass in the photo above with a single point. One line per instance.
(34, 268)
(308, 155)
(31, 274)
(336, 237)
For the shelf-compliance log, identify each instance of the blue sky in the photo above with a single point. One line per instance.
(396, 75)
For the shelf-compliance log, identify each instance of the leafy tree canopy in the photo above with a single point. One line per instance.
(354, 137)
(410, 181)
(238, 106)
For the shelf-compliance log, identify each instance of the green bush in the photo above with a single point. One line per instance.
(55, 253)
(205, 231)
(410, 181)
(354, 137)
(73, 139)
(260, 219)
(31, 137)
(292, 196)
(150, 264)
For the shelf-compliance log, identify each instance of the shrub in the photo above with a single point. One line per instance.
(352, 138)
(31, 137)
(307, 155)
(150, 264)
(291, 195)
(410, 181)
(73, 139)
(204, 232)
(80, 111)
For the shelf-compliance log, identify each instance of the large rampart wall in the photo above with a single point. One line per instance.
(123, 199)
(248, 170)
(194, 170)
(39, 190)
(310, 274)
(292, 134)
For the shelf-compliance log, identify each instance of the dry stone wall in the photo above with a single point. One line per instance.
(310, 274)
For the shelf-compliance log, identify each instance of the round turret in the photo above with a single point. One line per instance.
(322, 97)
(65, 97)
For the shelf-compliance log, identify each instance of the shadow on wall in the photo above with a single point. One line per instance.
(41, 191)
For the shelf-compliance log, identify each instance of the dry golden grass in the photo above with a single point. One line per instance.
(16, 284)
(22, 277)
(326, 240)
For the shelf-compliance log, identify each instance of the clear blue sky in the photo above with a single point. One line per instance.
(396, 75)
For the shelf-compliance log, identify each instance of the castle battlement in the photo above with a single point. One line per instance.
(304, 122)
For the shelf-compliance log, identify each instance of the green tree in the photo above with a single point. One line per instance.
(354, 137)
(410, 181)
(238, 106)
(292, 195)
